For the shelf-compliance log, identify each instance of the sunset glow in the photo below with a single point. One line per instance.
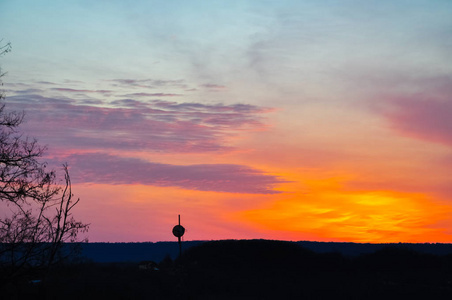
(288, 120)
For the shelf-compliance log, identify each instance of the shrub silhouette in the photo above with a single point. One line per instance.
(258, 268)
(259, 254)
(399, 258)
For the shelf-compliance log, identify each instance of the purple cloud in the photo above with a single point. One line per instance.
(46, 82)
(27, 91)
(134, 125)
(81, 91)
(108, 169)
(190, 106)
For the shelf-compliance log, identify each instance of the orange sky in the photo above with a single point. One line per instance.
(290, 120)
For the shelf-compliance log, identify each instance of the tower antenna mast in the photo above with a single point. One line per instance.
(178, 231)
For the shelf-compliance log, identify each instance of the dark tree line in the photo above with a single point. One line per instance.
(35, 207)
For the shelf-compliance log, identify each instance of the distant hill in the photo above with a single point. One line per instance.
(135, 252)
(355, 249)
(248, 269)
(266, 269)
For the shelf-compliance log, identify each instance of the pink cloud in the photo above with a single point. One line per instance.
(423, 118)
(213, 86)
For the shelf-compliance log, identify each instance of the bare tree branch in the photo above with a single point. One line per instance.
(37, 219)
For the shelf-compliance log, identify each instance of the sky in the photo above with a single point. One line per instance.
(287, 120)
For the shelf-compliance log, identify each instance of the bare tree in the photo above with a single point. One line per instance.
(3, 50)
(35, 209)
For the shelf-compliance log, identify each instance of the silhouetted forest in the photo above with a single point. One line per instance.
(249, 269)
(121, 252)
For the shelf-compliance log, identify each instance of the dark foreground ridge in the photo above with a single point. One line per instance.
(252, 269)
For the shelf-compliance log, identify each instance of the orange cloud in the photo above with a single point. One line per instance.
(328, 212)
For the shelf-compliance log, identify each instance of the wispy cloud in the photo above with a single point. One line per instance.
(109, 169)
(27, 91)
(81, 91)
(46, 82)
(147, 83)
(151, 95)
(213, 86)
